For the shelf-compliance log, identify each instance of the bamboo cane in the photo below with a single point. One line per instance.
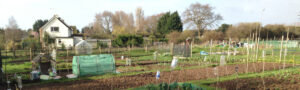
(285, 50)
(281, 49)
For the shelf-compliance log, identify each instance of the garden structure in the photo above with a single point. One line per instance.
(93, 65)
(43, 63)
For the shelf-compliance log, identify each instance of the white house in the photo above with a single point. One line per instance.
(60, 31)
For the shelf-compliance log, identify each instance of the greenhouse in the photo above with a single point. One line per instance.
(83, 47)
(93, 65)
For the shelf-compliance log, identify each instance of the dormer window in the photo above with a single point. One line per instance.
(54, 29)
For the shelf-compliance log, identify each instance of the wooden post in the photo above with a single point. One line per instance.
(263, 63)
(109, 47)
(30, 54)
(257, 49)
(210, 45)
(30, 57)
(294, 61)
(192, 47)
(171, 49)
(272, 52)
(228, 50)
(74, 50)
(99, 49)
(1, 78)
(146, 48)
(0, 60)
(247, 55)
(285, 49)
(67, 61)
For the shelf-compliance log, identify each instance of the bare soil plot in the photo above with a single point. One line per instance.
(271, 83)
(124, 82)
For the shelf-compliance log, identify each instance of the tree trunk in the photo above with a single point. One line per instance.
(199, 34)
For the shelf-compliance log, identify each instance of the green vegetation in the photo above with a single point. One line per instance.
(128, 40)
(283, 73)
(138, 55)
(168, 23)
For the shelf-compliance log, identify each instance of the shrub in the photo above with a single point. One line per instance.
(31, 42)
(173, 37)
(63, 46)
(178, 37)
(214, 35)
(102, 45)
(127, 40)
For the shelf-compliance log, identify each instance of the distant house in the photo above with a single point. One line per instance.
(34, 34)
(60, 31)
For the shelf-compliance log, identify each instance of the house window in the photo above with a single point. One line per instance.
(54, 29)
(59, 41)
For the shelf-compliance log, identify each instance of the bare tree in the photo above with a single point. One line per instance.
(139, 15)
(151, 23)
(101, 27)
(118, 18)
(12, 31)
(124, 22)
(106, 19)
(200, 16)
(12, 34)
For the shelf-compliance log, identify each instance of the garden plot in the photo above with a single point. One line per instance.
(123, 82)
(284, 81)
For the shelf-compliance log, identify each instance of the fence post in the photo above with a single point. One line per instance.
(34, 51)
(30, 55)
(99, 49)
(67, 60)
(1, 78)
(14, 52)
(171, 49)
(1, 61)
(146, 47)
(192, 47)
(210, 45)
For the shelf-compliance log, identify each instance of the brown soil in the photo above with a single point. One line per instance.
(151, 62)
(145, 68)
(18, 61)
(124, 82)
(268, 83)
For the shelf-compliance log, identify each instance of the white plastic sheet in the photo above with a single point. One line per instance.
(122, 57)
(263, 53)
(128, 61)
(155, 55)
(53, 54)
(222, 60)
(19, 81)
(174, 62)
(157, 74)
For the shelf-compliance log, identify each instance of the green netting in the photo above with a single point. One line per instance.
(277, 44)
(93, 64)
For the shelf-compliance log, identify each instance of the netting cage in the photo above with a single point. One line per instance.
(83, 47)
(181, 50)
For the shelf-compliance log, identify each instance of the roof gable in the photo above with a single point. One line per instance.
(53, 19)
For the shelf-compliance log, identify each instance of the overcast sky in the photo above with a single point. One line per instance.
(81, 12)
